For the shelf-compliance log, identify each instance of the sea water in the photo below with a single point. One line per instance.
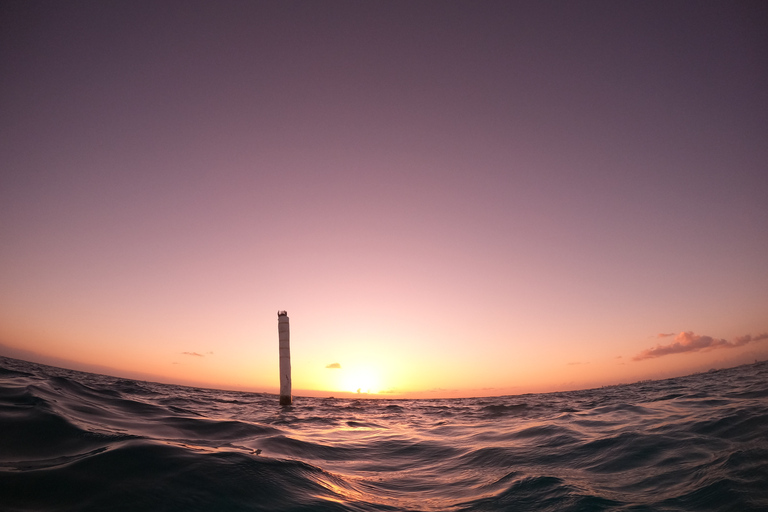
(72, 441)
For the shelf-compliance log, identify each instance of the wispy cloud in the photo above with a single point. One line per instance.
(665, 334)
(690, 342)
(334, 365)
(743, 340)
(193, 354)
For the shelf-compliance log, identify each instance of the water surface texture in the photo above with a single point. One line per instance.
(72, 441)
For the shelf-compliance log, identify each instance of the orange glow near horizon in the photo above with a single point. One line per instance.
(367, 371)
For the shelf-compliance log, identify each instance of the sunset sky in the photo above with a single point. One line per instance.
(448, 198)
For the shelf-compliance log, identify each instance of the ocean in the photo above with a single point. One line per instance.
(72, 441)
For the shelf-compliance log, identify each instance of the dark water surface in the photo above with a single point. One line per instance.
(72, 441)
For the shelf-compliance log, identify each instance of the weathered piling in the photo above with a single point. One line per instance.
(284, 332)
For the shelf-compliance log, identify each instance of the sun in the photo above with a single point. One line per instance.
(361, 379)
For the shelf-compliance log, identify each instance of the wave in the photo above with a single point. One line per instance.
(80, 442)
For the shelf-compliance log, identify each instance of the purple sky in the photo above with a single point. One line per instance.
(450, 195)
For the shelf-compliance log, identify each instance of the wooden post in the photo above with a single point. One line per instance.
(284, 333)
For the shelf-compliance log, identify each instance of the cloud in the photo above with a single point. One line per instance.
(743, 340)
(690, 342)
(665, 334)
(334, 365)
(193, 354)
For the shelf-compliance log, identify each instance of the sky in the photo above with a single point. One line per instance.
(448, 198)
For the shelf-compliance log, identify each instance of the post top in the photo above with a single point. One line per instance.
(282, 313)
